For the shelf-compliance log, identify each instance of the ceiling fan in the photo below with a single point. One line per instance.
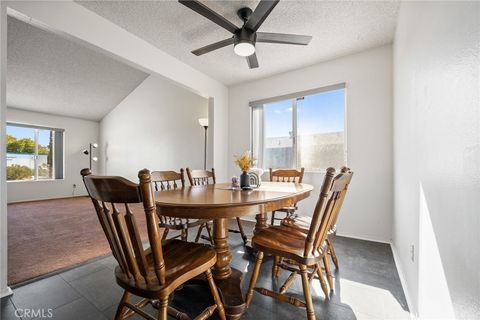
(245, 38)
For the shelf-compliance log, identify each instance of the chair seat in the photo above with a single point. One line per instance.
(286, 242)
(302, 223)
(183, 261)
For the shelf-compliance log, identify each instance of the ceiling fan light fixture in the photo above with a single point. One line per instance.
(244, 49)
(244, 39)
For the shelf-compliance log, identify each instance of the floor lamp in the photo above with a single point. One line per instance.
(204, 123)
(89, 153)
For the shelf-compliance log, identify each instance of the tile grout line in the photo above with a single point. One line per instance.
(14, 306)
(82, 296)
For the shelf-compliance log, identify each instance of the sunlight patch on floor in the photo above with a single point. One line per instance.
(359, 297)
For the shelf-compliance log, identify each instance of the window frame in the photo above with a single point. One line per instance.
(36, 128)
(295, 97)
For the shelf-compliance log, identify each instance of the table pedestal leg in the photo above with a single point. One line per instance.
(259, 225)
(227, 279)
(261, 222)
(222, 268)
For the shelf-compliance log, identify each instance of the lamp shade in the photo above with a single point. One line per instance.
(203, 122)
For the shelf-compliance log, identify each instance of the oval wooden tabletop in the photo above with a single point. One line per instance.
(220, 201)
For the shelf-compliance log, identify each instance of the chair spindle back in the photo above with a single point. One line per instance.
(166, 180)
(201, 177)
(327, 208)
(287, 175)
(169, 180)
(109, 194)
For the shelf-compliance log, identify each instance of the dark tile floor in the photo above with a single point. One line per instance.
(367, 286)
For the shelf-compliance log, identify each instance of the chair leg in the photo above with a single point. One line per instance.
(165, 234)
(121, 306)
(184, 235)
(288, 283)
(306, 293)
(332, 253)
(242, 233)
(163, 309)
(323, 283)
(253, 280)
(199, 232)
(209, 231)
(328, 272)
(216, 296)
(279, 270)
(273, 218)
(275, 268)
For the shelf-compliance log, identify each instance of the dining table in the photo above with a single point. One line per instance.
(221, 202)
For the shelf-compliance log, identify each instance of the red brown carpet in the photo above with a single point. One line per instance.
(50, 235)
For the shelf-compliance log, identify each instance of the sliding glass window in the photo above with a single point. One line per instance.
(300, 130)
(34, 153)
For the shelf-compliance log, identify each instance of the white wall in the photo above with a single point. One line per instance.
(367, 210)
(437, 156)
(155, 127)
(4, 289)
(78, 134)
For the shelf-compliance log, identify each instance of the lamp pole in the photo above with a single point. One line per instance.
(92, 146)
(204, 123)
(205, 150)
(90, 156)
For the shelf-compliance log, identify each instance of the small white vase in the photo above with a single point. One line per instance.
(258, 171)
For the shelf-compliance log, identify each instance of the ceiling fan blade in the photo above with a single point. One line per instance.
(261, 12)
(283, 38)
(208, 13)
(213, 46)
(252, 61)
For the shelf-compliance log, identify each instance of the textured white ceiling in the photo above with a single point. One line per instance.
(338, 28)
(49, 73)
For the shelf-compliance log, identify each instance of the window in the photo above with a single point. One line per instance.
(300, 130)
(34, 153)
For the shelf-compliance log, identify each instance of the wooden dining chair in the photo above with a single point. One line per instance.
(156, 272)
(304, 251)
(204, 177)
(169, 180)
(286, 175)
(303, 222)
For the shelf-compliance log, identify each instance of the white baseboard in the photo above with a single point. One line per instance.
(45, 199)
(6, 292)
(403, 281)
(362, 238)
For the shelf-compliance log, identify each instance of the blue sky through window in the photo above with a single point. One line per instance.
(319, 113)
(278, 119)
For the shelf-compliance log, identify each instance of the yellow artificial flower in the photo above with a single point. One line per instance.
(245, 161)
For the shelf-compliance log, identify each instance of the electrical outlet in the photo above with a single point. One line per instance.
(412, 252)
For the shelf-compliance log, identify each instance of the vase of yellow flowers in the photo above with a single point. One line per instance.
(245, 163)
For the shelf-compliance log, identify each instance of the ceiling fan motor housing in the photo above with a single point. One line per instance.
(245, 35)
